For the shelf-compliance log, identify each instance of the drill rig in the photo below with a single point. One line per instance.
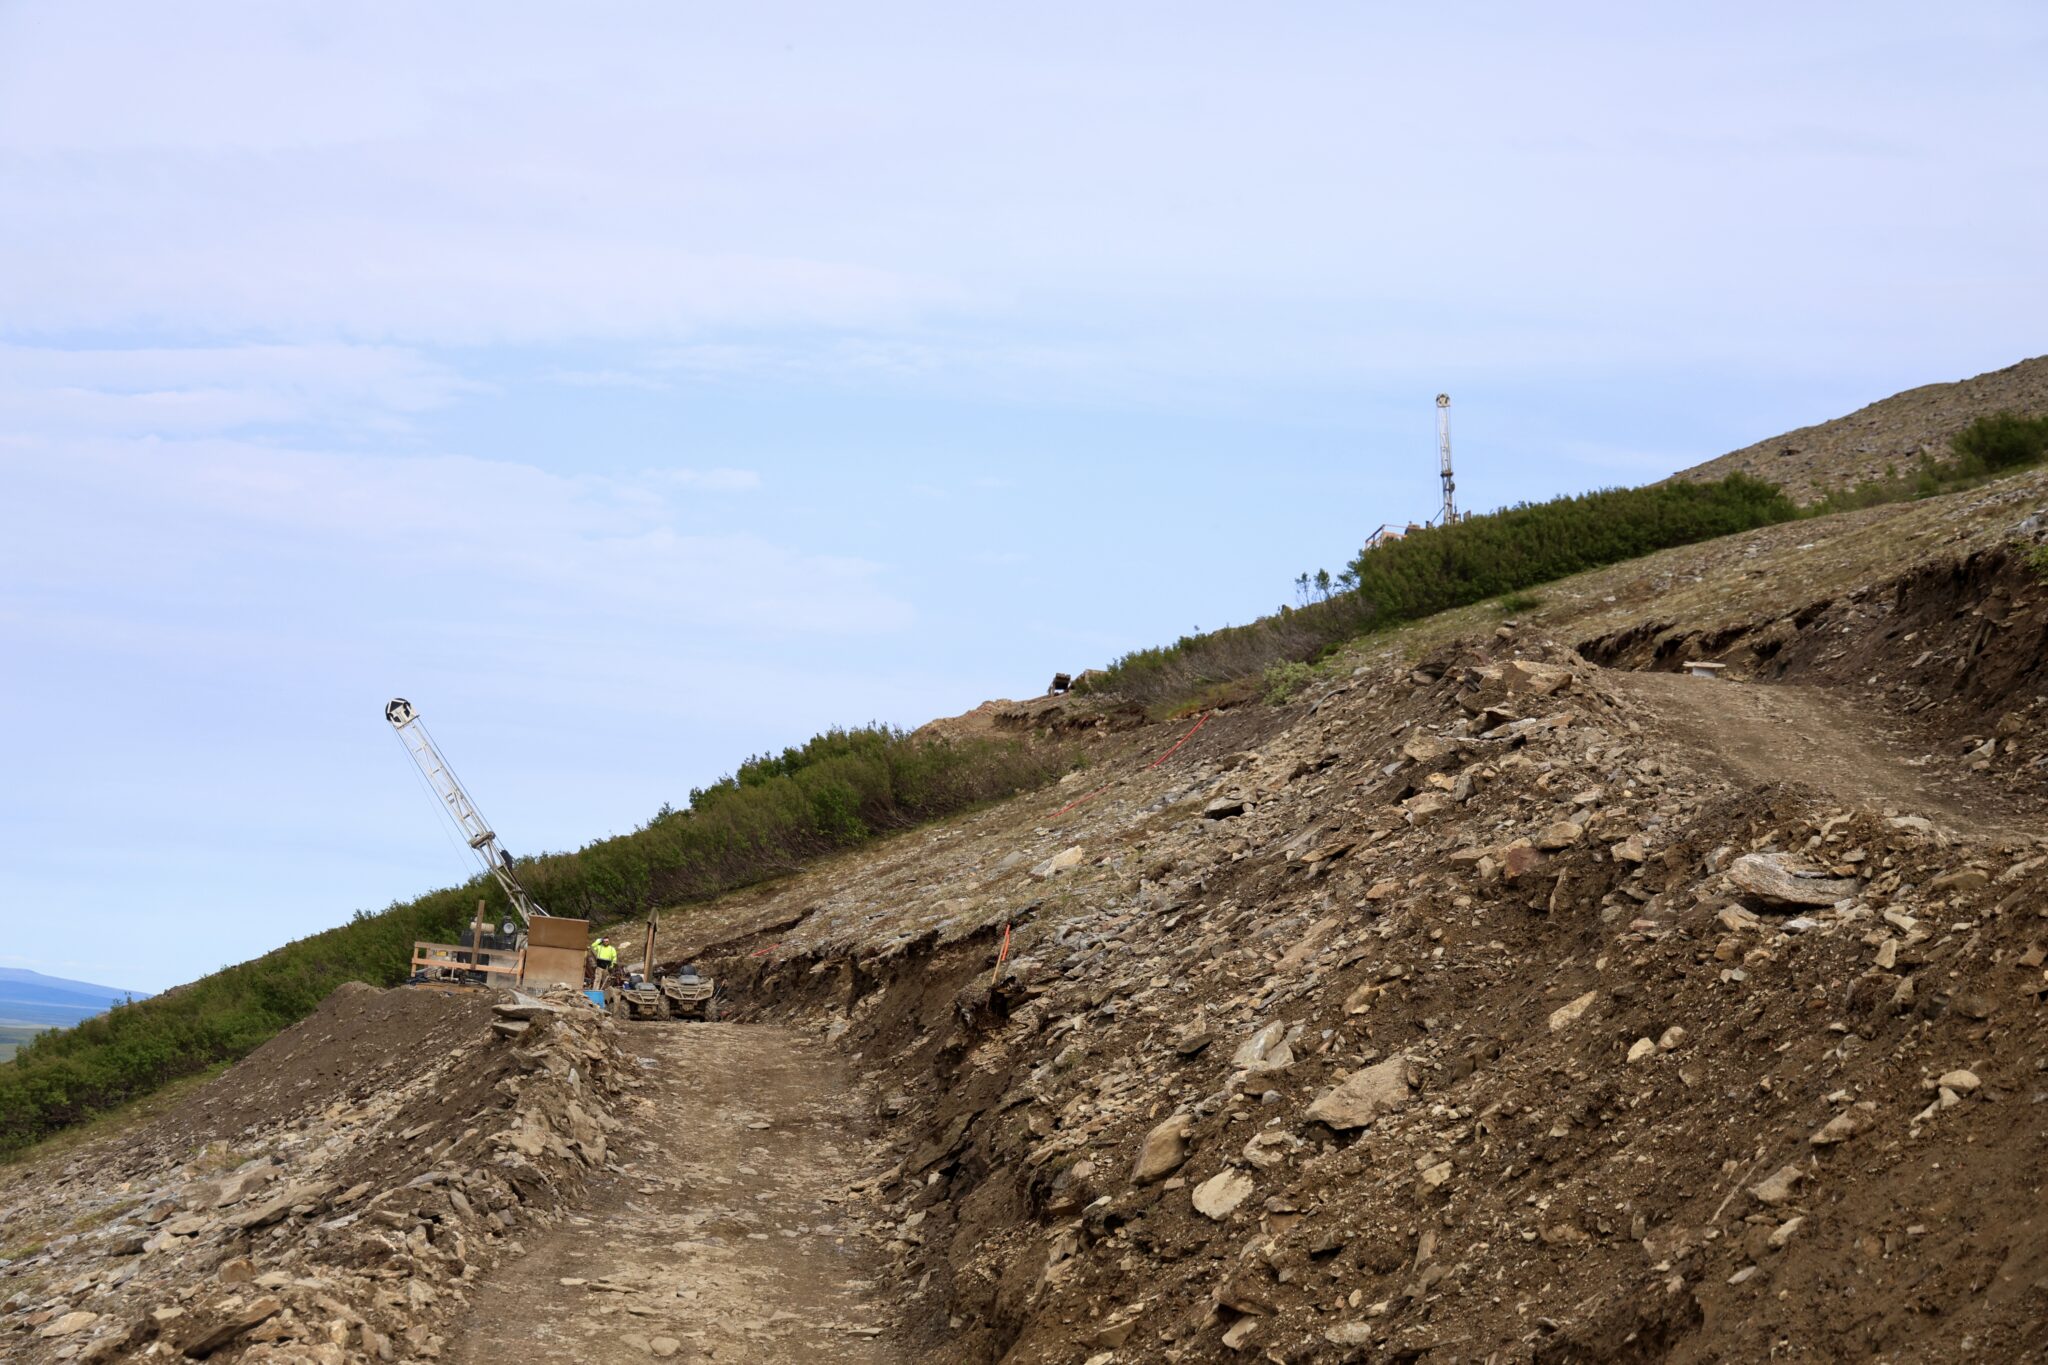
(549, 949)
(546, 950)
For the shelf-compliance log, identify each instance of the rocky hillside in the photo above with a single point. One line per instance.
(1897, 432)
(1506, 995)
(327, 1200)
(1502, 1002)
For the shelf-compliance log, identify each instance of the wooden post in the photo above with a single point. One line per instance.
(647, 953)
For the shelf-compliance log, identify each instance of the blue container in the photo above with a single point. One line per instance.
(595, 997)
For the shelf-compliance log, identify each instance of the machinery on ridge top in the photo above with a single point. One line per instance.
(545, 950)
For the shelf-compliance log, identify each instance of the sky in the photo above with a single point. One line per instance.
(638, 387)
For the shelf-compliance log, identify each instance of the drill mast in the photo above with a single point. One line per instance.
(412, 733)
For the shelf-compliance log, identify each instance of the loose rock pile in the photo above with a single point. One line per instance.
(329, 1200)
(1448, 1015)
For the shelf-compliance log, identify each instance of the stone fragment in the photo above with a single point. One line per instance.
(1838, 1129)
(218, 1327)
(1962, 879)
(1163, 1150)
(1224, 808)
(1779, 1186)
(69, 1323)
(1559, 834)
(1735, 919)
(1420, 807)
(1219, 1195)
(1641, 1048)
(1364, 1095)
(1520, 858)
(1425, 749)
(1114, 1333)
(1537, 679)
(1673, 1038)
(526, 1007)
(1057, 863)
(1564, 1016)
(1769, 877)
(1268, 1149)
(1630, 850)
(1961, 1081)
(663, 1347)
(1786, 1231)
(1264, 1051)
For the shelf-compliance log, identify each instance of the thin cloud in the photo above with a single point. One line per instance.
(594, 549)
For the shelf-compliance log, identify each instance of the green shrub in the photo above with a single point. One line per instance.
(1283, 680)
(2003, 440)
(1515, 603)
(769, 818)
(1985, 449)
(1435, 568)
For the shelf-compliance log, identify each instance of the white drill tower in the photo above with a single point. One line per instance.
(1443, 442)
(412, 733)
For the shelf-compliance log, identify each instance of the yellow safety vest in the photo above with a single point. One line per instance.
(605, 953)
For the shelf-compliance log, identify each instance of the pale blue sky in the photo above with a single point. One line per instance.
(635, 387)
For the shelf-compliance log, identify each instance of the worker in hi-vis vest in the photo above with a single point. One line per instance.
(607, 957)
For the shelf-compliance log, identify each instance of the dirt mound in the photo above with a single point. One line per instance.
(1062, 714)
(1895, 432)
(360, 1041)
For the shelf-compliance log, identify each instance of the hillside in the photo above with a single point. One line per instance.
(1502, 995)
(1487, 989)
(1895, 432)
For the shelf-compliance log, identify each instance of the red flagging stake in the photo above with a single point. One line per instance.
(1153, 764)
(1078, 800)
(763, 952)
(1183, 739)
(997, 974)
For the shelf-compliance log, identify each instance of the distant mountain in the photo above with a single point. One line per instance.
(31, 998)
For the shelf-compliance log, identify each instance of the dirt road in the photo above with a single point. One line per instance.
(734, 1233)
(1818, 737)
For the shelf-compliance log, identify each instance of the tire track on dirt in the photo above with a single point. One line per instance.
(732, 1232)
(1817, 737)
